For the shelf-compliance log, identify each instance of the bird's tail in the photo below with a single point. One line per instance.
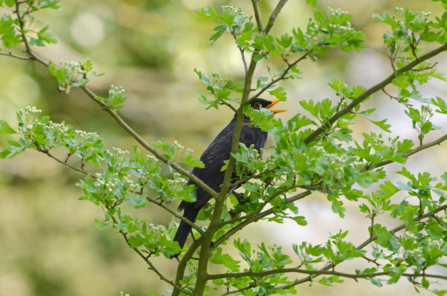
(184, 229)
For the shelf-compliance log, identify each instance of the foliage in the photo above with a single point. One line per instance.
(310, 155)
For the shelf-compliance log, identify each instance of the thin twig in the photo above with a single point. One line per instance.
(408, 154)
(66, 164)
(243, 58)
(16, 56)
(241, 50)
(277, 79)
(316, 272)
(437, 219)
(428, 68)
(22, 27)
(392, 62)
(339, 103)
(238, 291)
(172, 212)
(223, 102)
(391, 97)
(413, 48)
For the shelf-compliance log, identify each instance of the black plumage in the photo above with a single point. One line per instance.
(213, 158)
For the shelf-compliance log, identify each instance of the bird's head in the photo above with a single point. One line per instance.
(258, 103)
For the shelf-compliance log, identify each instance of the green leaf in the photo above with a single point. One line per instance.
(377, 282)
(279, 93)
(36, 42)
(88, 65)
(226, 260)
(395, 276)
(401, 80)
(48, 37)
(319, 16)
(12, 150)
(382, 125)
(101, 225)
(285, 40)
(301, 220)
(425, 283)
(9, 3)
(195, 162)
(220, 30)
(5, 128)
(386, 190)
(312, 3)
(137, 200)
(366, 179)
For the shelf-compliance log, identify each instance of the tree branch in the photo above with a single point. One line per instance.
(16, 56)
(408, 154)
(277, 79)
(257, 16)
(316, 272)
(367, 242)
(372, 90)
(183, 263)
(65, 164)
(274, 15)
(152, 267)
(172, 212)
(391, 97)
(223, 102)
(423, 69)
(257, 215)
(402, 226)
(136, 136)
(205, 251)
(238, 291)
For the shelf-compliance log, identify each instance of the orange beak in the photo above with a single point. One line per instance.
(274, 102)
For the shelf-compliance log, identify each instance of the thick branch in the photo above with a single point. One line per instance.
(257, 15)
(183, 263)
(213, 227)
(274, 15)
(372, 90)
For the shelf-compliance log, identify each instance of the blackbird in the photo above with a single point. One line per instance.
(213, 158)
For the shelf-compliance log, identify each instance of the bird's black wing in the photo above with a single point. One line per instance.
(213, 158)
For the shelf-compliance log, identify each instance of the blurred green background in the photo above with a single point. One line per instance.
(48, 243)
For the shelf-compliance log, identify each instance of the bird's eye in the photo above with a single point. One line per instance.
(257, 105)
